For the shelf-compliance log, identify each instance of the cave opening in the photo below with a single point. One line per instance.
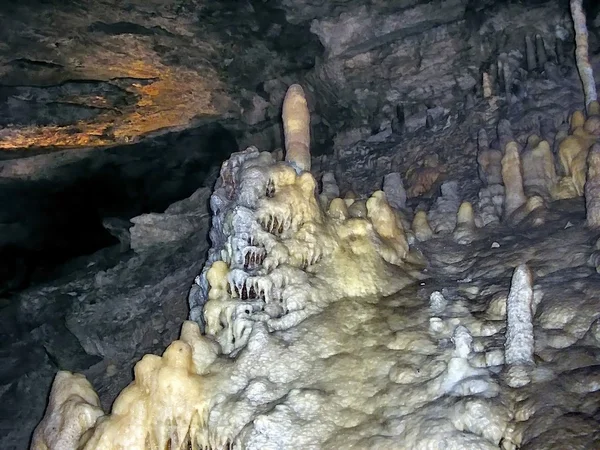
(59, 216)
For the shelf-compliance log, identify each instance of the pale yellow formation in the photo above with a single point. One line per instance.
(166, 406)
(338, 209)
(512, 177)
(389, 227)
(313, 259)
(539, 173)
(573, 152)
(420, 226)
(465, 224)
(296, 126)
(577, 120)
(72, 410)
(592, 126)
(215, 307)
(292, 203)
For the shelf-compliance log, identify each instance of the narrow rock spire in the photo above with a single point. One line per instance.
(296, 128)
(581, 53)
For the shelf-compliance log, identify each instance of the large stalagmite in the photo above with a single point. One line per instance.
(277, 259)
(519, 334)
(296, 119)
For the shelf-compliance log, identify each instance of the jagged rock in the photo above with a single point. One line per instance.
(98, 316)
(177, 223)
(119, 228)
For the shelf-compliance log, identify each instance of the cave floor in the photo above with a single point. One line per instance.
(387, 373)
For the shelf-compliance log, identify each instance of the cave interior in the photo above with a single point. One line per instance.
(285, 224)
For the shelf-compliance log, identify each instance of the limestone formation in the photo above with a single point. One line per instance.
(319, 319)
(296, 124)
(581, 52)
(519, 343)
(539, 173)
(420, 226)
(488, 160)
(592, 188)
(514, 196)
(464, 232)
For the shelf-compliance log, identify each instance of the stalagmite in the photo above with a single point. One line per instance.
(420, 226)
(519, 344)
(594, 108)
(581, 52)
(329, 186)
(329, 189)
(486, 85)
(572, 153)
(592, 188)
(358, 208)
(514, 197)
(296, 126)
(338, 209)
(490, 203)
(539, 174)
(437, 302)
(464, 232)
(316, 325)
(488, 160)
(73, 409)
(442, 215)
(533, 203)
(388, 226)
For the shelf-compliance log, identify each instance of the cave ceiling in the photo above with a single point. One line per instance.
(90, 73)
(94, 73)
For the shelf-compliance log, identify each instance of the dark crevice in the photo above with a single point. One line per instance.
(30, 63)
(117, 28)
(45, 223)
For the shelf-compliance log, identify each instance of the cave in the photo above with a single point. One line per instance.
(293, 224)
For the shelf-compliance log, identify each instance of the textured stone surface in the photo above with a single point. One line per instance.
(98, 316)
(391, 87)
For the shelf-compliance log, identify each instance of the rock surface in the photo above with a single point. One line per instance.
(113, 109)
(98, 316)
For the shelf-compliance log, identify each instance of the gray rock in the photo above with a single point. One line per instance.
(177, 223)
(394, 190)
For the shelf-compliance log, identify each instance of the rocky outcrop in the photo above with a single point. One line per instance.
(98, 316)
(52, 205)
(409, 64)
